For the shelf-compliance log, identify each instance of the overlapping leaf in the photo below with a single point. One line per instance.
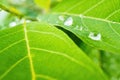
(99, 33)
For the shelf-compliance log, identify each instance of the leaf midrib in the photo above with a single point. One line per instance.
(91, 8)
(29, 55)
(89, 17)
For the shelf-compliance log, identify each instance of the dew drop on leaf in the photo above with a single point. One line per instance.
(81, 16)
(78, 28)
(61, 18)
(12, 24)
(81, 28)
(68, 22)
(94, 37)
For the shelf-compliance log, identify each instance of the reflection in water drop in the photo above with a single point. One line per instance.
(68, 22)
(94, 37)
(61, 18)
(78, 28)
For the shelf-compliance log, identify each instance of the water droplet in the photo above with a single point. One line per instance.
(81, 15)
(28, 21)
(81, 28)
(23, 20)
(61, 18)
(94, 37)
(12, 24)
(39, 18)
(68, 22)
(78, 28)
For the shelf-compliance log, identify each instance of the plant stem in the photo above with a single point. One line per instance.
(19, 15)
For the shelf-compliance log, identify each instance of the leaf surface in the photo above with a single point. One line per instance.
(99, 33)
(105, 9)
(44, 4)
(38, 51)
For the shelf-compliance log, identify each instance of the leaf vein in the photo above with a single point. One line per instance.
(12, 67)
(45, 77)
(113, 29)
(28, 49)
(51, 34)
(64, 55)
(10, 34)
(114, 12)
(104, 41)
(11, 45)
(94, 6)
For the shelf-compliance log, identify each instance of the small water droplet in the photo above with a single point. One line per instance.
(39, 18)
(28, 21)
(94, 37)
(12, 24)
(23, 20)
(61, 18)
(81, 15)
(81, 28)
(68, 22)
(78, 28)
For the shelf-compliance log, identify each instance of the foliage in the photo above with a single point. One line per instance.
(59, 40)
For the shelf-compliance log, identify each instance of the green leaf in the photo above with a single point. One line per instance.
(99, 33)
(44, 4)
(38, 51)
(55, 2)
(105, 9)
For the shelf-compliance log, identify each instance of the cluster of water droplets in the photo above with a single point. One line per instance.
(69, 22)
(17, 22)
(61, 18)
(94, 36)
(80, 28)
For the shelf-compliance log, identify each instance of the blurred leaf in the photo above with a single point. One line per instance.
(111, 64)
(15, 10)
(92, 52)
(45, 4)
(27, 7)
(55, 2)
